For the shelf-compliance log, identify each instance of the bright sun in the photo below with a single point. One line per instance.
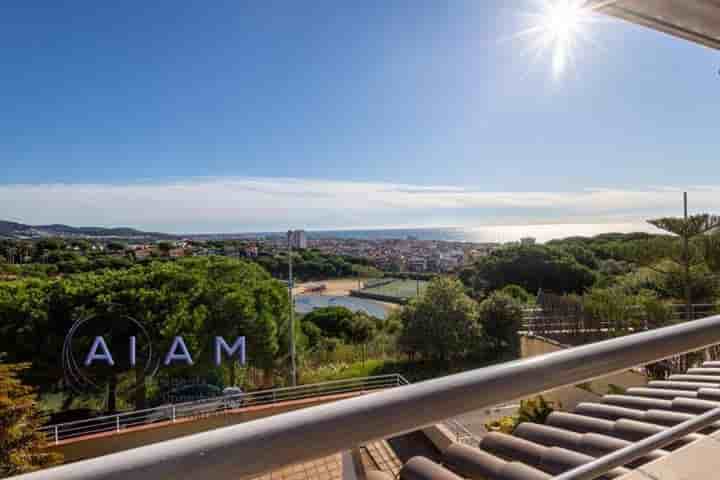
(563, 22)
(557, 28)
(562, 18)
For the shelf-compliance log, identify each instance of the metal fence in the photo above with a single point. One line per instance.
(216, 405)
(548, 321)
(202, 408)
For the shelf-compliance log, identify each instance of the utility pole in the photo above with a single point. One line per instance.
(686, 258)
(293, 373)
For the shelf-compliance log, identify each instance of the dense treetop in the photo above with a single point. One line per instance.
(196, 298)
(530, 267)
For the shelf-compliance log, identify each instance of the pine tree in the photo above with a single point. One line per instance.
(21, 444)
(688, 228)
(690, 258)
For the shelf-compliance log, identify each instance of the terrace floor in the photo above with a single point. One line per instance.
(327, 468)
(697, 461)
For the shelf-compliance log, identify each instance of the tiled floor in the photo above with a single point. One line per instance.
(328, 468)
(381, 457)
(375, 456)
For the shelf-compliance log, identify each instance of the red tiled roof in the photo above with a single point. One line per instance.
(568, 440)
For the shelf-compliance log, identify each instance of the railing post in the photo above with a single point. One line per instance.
(117, 423)
(57, 436)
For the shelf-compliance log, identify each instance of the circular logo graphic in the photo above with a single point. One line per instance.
(126, 346)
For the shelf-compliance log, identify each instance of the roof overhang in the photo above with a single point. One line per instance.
(694, 20)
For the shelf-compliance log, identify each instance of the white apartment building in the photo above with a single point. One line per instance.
(297, 239)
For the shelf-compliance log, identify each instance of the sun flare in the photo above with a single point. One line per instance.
(558, 27)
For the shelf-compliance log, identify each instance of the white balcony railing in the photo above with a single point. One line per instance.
(264, 445)
(120, 422)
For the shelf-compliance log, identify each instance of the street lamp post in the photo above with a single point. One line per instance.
(293, 377)
(686, 260)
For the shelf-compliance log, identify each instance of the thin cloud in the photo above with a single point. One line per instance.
(264, 204)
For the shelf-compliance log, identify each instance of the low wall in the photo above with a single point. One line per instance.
(440, 436)
(379, 283)
(531, 346)
(377, 296)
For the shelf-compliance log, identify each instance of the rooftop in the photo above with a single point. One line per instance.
(567, 440)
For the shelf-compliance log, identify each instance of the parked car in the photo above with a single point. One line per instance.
(192, 393)
(193, 400)
(234, 397)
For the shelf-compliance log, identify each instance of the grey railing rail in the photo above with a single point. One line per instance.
(262, 445)
(173, 412)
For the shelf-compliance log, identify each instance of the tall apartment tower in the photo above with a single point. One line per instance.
(297, 239)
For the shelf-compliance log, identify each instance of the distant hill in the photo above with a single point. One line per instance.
(20, 230)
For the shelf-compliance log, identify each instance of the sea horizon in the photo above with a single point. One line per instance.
(481, 234)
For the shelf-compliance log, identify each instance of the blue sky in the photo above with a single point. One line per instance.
(228, 116)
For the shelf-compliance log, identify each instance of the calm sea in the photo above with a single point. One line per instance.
(495, 233)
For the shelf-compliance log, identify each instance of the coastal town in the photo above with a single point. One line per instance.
(408, 254)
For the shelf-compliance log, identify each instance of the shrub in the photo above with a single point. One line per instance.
(615, 307)
(21, 444)
(518, 293)
(657, 313)
(534, 410)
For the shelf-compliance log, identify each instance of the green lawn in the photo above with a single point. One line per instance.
(398, 289)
